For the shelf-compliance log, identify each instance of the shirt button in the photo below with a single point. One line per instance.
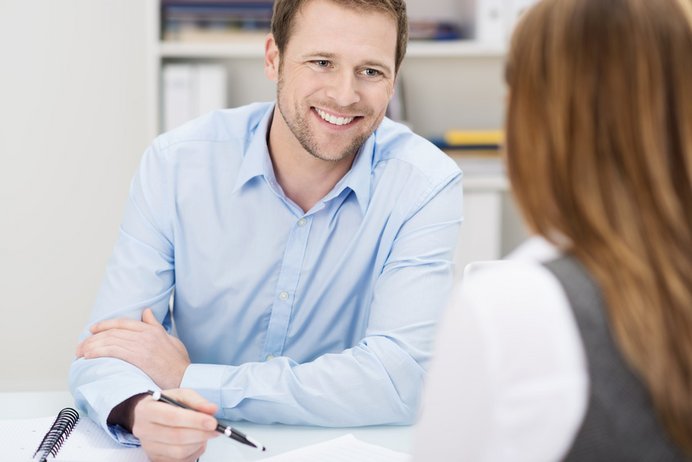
(283, 295)
(302, 222)
(270, 357)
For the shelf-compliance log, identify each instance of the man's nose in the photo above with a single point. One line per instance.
(343, 89)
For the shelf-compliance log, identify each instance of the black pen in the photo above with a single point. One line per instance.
(226, 430)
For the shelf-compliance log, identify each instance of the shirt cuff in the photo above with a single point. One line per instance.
(208, 381)
(123, 436)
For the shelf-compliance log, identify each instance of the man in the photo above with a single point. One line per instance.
(309, 245)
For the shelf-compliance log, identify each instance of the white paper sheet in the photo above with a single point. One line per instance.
(346, 448)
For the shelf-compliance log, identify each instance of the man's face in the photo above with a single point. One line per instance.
(335, 78)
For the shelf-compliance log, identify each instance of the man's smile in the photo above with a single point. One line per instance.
(335, 119)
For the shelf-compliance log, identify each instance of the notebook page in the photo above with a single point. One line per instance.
(346, 448)
(87, 442)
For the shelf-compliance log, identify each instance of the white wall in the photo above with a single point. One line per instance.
(72, 129)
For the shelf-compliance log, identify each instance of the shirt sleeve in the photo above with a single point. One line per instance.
(509, 378)
(139, 274)
(378, 381)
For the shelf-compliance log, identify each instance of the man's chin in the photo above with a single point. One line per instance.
(327, 151)
(332, 156)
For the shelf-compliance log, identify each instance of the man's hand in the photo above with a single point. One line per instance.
(145, 344)
(170, 433)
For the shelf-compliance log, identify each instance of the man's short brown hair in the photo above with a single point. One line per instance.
(285, 12)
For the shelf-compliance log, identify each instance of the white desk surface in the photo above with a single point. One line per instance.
(277, 438)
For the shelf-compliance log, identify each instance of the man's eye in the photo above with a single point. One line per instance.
(371, 73)
(321, 63)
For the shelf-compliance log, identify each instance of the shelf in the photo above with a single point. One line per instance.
(482, 173)
(254, 48)
(238, 49)
(452, 49)
(485, 183)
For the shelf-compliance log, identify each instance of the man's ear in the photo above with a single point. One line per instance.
(271, 58)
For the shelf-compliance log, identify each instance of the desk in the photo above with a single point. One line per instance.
(278, 438)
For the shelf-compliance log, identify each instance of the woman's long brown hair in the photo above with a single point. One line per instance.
(599, 153)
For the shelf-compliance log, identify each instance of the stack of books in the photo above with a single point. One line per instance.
(435, 30)
(470, 142)
(477, 152)
(214, 20)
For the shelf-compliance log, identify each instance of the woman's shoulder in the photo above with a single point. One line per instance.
(509, 368)
(519, 282)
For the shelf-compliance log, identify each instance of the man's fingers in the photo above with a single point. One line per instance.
(113, 343)
(169, 432)
(111, 350)
(172, 436)
(172, 416)
(166, 434)
(149, 318)
(166, 423)
(108, 351)
(161, 452)
(193, 399)
(119, 323)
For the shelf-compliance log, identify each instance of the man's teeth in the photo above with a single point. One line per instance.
(333, 119)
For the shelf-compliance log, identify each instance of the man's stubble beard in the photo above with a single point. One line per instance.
(301, 130)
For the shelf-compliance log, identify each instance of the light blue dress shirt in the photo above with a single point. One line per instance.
(318, 318)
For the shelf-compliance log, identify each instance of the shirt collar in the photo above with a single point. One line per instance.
(257, 162)
(358, 178)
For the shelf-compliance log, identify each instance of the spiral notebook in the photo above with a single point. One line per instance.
(66, 437)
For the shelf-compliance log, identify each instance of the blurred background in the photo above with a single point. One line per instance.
(86, 84)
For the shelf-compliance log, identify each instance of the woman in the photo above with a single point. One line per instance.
(587, 357)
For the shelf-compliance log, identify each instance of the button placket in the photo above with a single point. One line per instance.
(289, 275)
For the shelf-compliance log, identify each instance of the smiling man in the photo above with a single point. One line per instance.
(308, 244)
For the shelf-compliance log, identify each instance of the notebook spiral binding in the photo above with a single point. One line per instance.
(58, 433)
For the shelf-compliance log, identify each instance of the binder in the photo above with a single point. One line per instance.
(190, 90)
(515, 10)
(491, 22)
(178, 96)
(210, 88)
(495, 19)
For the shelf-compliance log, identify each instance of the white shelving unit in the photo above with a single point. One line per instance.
(254, 49)
(446, 84)
(452, 49)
